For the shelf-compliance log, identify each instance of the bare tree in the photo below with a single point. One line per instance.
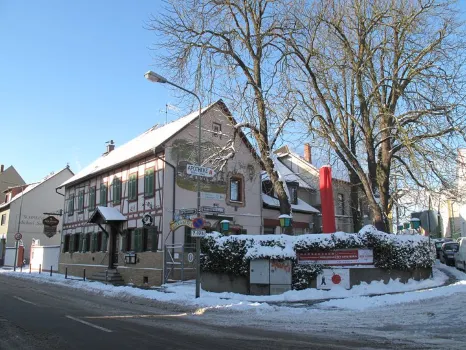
(382, 83)
(227, 48)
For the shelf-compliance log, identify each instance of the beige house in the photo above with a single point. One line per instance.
(302, 179)
(25, 207)
(131, 210)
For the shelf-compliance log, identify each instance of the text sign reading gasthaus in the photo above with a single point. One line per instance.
(196, 170)
(338, 257)
(198, 233)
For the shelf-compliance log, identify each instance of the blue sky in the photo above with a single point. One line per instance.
(72, 77)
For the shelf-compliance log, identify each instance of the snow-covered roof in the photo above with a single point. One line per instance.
(287, 174)
(138, 146)
(108, 214)
(302, 206)
(30, 187)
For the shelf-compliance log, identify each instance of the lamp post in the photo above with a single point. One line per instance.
(156, 78)
(285, 221)
(225, 226)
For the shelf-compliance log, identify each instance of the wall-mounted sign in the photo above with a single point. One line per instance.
(196, 170)
(338, 257)
(147, 220)
(183, 222)
(331, 278)
(213, 196)
(218, 210)
(198, 233)
(184, 212)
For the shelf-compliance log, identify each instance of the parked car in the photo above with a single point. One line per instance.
(447, 254)
(460, 256)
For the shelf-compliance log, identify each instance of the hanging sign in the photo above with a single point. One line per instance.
(183, 222)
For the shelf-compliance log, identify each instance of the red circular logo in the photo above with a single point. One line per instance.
(336, 279)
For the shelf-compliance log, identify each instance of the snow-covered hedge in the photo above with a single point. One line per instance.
(231, 254)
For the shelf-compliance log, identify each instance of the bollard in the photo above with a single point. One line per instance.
(84, 275)
(40, 268)
(21, 269)
(106, 276)
(66, 273)
(30, 267)
(51, 270)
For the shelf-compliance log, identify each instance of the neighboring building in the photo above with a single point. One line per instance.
(23, 210)
(123, 209)
(302, 179)
(9, 177)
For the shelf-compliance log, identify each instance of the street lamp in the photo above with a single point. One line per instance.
(225, 225)
(285, 221)
(156, 78)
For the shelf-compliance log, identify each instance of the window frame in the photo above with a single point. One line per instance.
(241, 201)
(341, 204)
(217, 133)
(133, 186)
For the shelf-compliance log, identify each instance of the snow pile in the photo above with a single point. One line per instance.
(231, 254)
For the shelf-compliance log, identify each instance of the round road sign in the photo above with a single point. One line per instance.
(18, 236)
(190, 257)
(198, 223)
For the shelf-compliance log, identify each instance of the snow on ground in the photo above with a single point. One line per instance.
(355, 298)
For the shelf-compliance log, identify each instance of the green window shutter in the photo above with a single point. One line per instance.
(80, 244)
(151, 185)
(154, 238)
(132, 187)
(103, 194)
(92, 198)
(91, 245)
(149, 182)
(71, 242)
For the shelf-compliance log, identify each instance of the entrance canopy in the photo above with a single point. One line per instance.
(104, 215)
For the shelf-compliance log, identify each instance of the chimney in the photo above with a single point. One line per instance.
(307, 153)
(2, 167)
(110, 146)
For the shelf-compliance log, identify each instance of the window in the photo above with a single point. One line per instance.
(217, 130)
(149, 183)
(236, 189)
(103, 239)
(152, 239)
(85, 242)
(293, 190)
(3, 219)
(71, 205)
(340, 204)
(74, 243)
(269, 230)
(133, 187)
(66, 243)
(127, 240)
(81, 200)
(92, 198)
(7, 198)
(96, 242)
(116, 190)
(103, 194)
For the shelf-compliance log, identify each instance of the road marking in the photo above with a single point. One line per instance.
(133, 316)
(25, 301)
(89, 324)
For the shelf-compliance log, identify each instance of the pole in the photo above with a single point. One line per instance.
(198, 239)
(19, 224)
(428, 225)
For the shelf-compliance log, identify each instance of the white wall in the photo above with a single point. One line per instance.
(45, 257)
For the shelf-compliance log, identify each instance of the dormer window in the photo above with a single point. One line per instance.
(7, 197)
(293, 190)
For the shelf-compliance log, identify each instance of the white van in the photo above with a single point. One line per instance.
(460, 256)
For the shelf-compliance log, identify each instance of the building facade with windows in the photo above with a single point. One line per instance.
(302, 179)
(127, 207)
(24, 207)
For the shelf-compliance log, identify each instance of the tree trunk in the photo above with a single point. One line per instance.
(355, 212)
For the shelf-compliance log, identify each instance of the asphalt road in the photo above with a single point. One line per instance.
(43, 316)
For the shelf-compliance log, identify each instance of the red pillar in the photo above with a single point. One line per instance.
(20, 256)
(326, 199)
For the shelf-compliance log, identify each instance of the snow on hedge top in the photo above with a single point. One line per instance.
(285, 247)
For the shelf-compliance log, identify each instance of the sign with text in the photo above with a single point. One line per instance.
(183, 222)
(196, 170)
(338, 257)
(198, 233)
(218, 210)
(50, 221)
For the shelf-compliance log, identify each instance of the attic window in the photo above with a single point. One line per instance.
(293, 190)
(217, 130)
(267, 187)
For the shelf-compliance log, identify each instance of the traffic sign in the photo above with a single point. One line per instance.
(197, 170)
(18, 236)
(198, 233)
(198, 223)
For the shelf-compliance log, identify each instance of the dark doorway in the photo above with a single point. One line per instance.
(113, 251)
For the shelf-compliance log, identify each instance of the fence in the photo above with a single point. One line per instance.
(44, 256)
